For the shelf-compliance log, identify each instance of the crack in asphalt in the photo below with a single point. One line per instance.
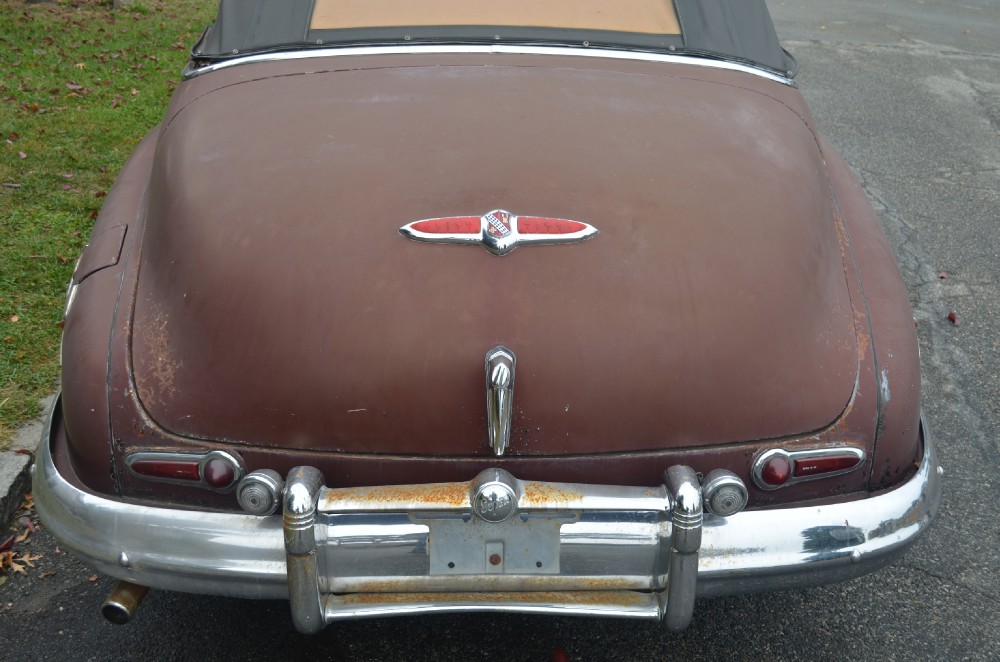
(931, 310)
(953, 581)
(910, 47)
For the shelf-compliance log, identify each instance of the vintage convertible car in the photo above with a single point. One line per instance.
(459, 305)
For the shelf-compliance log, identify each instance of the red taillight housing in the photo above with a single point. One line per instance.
(216, 470)
(778, 468)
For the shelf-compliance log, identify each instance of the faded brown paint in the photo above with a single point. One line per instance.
(304, 319)
(88, 329)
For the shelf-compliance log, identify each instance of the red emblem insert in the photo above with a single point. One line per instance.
(498, 231)
(453, 225)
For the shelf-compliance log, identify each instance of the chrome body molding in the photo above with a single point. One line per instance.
(492, 49)
(340, 553)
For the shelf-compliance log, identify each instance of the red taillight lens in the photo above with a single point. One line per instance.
(169, 469)
(823, 465)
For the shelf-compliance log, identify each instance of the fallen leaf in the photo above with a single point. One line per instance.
(7, 542)
(92, 578)
(15, 318)
(24, 451)
(27, 558)
(46, 574)
(24, 535)
(80, 65)
(73, 87)
(953, 318)
(943, 276)
(22, 155)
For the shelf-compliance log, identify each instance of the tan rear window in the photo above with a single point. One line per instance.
(641, 16)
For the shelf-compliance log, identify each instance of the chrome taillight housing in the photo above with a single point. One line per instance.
(777, 468)
(216, 470)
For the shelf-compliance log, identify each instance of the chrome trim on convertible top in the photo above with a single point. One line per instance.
(493, 49)
(618, 551)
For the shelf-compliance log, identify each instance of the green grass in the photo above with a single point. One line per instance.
(80, 84)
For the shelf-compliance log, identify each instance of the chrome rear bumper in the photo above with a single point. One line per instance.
(569, 549)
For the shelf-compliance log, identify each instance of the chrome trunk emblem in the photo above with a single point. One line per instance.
(498, 231)
(500, 364)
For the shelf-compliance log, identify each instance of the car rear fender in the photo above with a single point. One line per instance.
(893, 329)
(90, 312)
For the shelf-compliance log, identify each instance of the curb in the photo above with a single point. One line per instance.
(15, 482)
(15, 465)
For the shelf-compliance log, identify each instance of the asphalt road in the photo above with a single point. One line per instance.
(909, 92)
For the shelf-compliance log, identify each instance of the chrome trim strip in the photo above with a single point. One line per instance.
(607, 53)
(384, 550)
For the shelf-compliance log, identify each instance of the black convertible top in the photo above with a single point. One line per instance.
(739, 30)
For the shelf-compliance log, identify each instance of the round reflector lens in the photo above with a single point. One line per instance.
(219, 472)
(776, 471)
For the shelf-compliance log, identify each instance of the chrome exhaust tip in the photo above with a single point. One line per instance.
(121, 603)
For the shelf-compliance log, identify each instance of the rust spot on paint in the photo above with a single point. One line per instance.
(156, 380)
(595, 598)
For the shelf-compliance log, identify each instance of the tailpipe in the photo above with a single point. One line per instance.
(121, 603)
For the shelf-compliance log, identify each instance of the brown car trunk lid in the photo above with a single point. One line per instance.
(279, 306)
